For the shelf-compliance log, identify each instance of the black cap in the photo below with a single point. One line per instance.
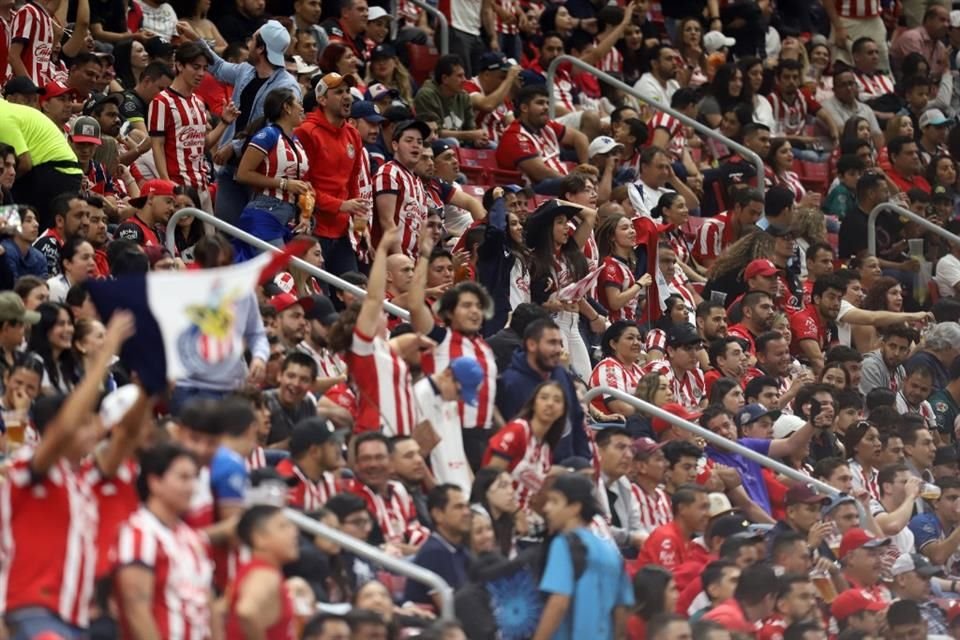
(726, 526)
(494, 61)
(945, 455)
(322, 311)
(382, 52)
(308, 432)
(158, 48)
(270, 474)
(96, 100)
(683, 334)
(398, 114)
(22, 85)
(419, 125)
(540, 221)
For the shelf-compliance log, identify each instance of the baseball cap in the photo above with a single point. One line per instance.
(576, 463)
(117, 404)
(803, 494)
(154, 187)
(332, 81)
(85, 129)
(726, 526)
(469, 374)
(713, 41)
(752, 413)
(759, 267)
(494, 61)
(98, 100)
(660, 425)
(857, 538)
(302, 68)
(854, 601)
(940, 194)
(419, 125)
(786, 424)
(933, 118)
(836, 501)
(397, 113)
(22, 85)
(54, 89)
(683, 334)
(907, 562)
(322, 310)
(308, 432)
(602, 144)
(376, 13)
(283, 301)
(719, 504)
(277, 39)
(158, 48)
(440, 146)
(12, 308)
(382, 52)
(378, 91)
(644, 447)
(365, 110)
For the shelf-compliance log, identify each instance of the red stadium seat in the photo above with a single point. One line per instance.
(933, 290)
(474, 190)
(422, 61)
(815, 176)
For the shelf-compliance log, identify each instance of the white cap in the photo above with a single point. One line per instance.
(719, 504)
(117, 404)
(787, 424)
(375, 13)
(277, 39)
(955, 18)
(303, 67)
(933, 117)
(715, 40)
(602, 144)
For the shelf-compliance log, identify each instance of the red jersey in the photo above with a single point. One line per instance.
(493, 122)
(6, 35)
(521, 143)
(117, 500)
(612, 373)
(49, 546)
(689, 389)
(33, 27)
(674, 128)
(182, 574)
(791, 115)
(858, 8)
(905, 184)
(182, 123)
(394, 512)
(410, 210)
(617, 274)
(715, 235)
(529, 458)
(382, 381)
(873, 85)
(666, 547)
(807, 325)
(307, 494)
(452, 345)
(773, 628)
(283, 629)
(742, 332)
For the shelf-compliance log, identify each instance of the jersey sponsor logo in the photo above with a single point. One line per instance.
(191, 136)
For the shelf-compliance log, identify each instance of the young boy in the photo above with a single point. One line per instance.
(842, 199)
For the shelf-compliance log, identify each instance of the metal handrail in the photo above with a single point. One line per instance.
(395, 565)
(712, 438)
(623, 86)
(253, 240)
(906, 213)
(444, 45)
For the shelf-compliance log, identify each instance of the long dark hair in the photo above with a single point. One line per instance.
(649, 590)
(66, 364)
(503, 526)
(556, 429)
(720, 389)
(273, 106)
(605, 236)
(665, 321)
(720, 87)
(876, 298)
(541, 261)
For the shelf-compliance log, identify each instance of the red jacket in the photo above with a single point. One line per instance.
(334, 154)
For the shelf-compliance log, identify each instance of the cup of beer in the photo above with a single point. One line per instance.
(824, 585)
(930, 491)
(16, 432)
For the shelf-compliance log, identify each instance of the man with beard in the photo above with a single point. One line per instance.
(154, 208)
(757, 307)
(796, 602)
(331, 368)
(71, 217)
(813, 325)
(774, 360)
(291, 318)
(314, 460)
(659, 84)
(711, 320)
(883, 368)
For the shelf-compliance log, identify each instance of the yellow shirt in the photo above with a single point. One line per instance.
(29, 130)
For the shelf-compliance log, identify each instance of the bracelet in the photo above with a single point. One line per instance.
(283, 184)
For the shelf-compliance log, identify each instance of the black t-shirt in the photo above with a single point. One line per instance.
(853, 234)
(237, 28)
(247, 96)
(282, 419)
(132, 107)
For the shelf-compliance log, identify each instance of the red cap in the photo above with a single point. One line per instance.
(759, 267)
(155, 187)
(644, 447)
(283, 301)
(660, 425)
(857, 538)
(54, 89)
(854, 601)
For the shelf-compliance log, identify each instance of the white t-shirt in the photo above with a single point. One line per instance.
(843, 329)
(465, 16)
(448, 459)
(161, 20)
(763, 112)
(650, 87)
(947, 274)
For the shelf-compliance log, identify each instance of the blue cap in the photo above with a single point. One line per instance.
(365, 110)
(469, 374)
(512, 188)
(528, 77)
(494, 61)
(752, 413)
(835, 501)
(440, 146)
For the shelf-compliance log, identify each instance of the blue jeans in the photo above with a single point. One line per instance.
(338, 255)
(273, 232)
(26, 624)
(232, 196)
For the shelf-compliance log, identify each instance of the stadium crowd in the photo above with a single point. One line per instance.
(532, 246)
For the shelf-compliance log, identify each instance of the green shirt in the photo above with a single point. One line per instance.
(840, 201)
(29, 130)
(946, 410)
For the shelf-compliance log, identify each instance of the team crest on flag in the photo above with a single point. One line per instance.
(208, 344)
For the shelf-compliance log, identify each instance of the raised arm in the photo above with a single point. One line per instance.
(420, 316)
(370, 311)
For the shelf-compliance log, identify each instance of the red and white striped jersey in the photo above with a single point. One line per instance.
(612, 373)
(182, 574)
(394, 512)
(48, 530)
(678, 136)
(284, 158)
(452, 345)
(520, 143)
(689, 389)
(493, 122)
(858, 8)
(410, 211)
(715, 235)
(307, 494)
(202, 512)
(117, 500)
(365, 192)
(33, 27)
(530, 459)
(617, 274)
(6, 37)
(656, 341)
(257, 459)
(329, 364)
(182, 123)
(791, 181)
(873, 85)
(382, 381)
(791, 117)
(680, 245)
(408, 12)
(655, 508)
(612, 61)
(511, 7)
(865, 480)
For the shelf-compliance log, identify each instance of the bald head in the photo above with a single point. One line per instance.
(399, 273)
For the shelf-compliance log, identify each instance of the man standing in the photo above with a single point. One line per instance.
(719, 232)
(135, 101)
(444, 95)
(335, 150)
(314, 459)
(489, 94)
(401, 200)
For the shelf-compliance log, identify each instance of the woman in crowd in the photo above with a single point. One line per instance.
(834, 375)
(729, 393)
(883, 294)
(726, 273)
(52, 340)
(493, 492)
(727, 89)
(307, 284)
(503, 258)
(868, 268)
(130, 59)
(374, 596)
(189, 229)
(753, 75)
(618, 290)
(320, 562)
(693, 73)
(779, 168)
(33, 291)
(481, 539)
(862, 444)
(942, 172)
(655, 388)
(195, 14)
(819, 77)
(385, 67)
(620, 369)
(274, 165)
(88, 336)
(77, 264)
(655, 593)
(897, 126)
(339, 58)
(524, 446)
(809, 226)
(672, 208)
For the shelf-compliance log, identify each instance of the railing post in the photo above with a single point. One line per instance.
(906, 213)
(252, 240)
(444, 44)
